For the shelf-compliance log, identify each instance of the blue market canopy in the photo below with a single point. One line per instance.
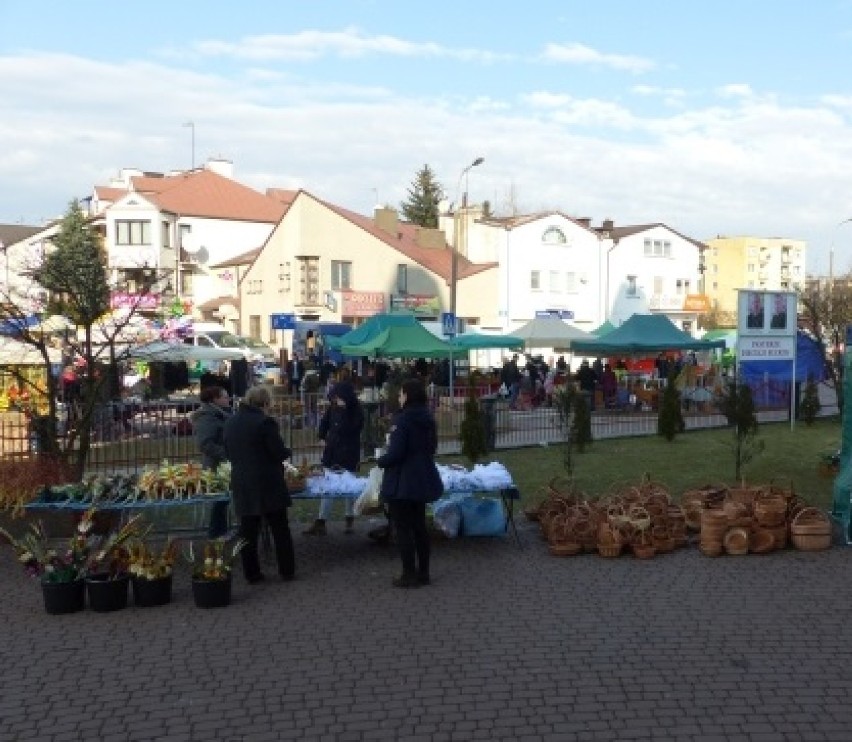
(477, 341)
(16, 325)
(641, 334)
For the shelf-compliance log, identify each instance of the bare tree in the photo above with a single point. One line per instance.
(826, 312)
(70, 279)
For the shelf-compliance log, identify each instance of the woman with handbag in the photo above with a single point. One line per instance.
(410, 481)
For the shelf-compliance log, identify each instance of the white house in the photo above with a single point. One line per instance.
(179, 224)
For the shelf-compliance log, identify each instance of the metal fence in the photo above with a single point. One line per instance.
(131, 436)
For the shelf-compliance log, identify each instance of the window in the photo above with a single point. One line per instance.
(254, 326)
(752, 252)
(750, 285)
(186, 283)
(715, 285)
(715, 252)
(715, 268)
(648, 249)
(686, 286)
(308, 281)
(167, 234)
(553, 236)
(554, 280)
(750, 268)
(571, 283)
(631, 286)
(535, 280)
(667, 249)
(129, 232)
(341, 275)
(658, 248)
(185, 231)
(658, 285)
(402, 279)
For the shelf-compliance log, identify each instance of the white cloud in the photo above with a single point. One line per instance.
(307, 46)
(746, 164)
(653, 90)
(585, 55)
(735, 90)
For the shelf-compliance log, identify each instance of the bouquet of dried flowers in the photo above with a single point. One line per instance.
(214, 559)
(111, 555)
(148, 563)
(84, 552)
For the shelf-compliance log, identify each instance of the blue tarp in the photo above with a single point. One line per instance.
(15, 326)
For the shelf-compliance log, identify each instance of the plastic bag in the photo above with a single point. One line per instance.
(368, 501)
(447, 516)
(482, 516)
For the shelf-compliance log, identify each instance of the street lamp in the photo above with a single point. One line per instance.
(455, 262)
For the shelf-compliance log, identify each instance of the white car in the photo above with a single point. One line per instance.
(259, 348)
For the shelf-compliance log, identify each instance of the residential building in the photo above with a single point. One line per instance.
(22, 248)
(178, 224)
(325, 263)
(651, 269)
(547, 262)
(747, 262)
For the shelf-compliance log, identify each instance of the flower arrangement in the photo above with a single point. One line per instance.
(83, 553)
(111, 555)
(148, 563)
(215, 560)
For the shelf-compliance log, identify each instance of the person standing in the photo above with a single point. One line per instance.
(340, 428)
(208, 427)
(258, 487)
(410, 481)
(295, 372)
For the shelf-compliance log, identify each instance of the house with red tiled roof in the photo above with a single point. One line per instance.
(179, 224)
(323, 262)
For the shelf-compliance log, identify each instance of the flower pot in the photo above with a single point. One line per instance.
(212, 593)
(107, 594)
(149, 593)
(63, 597)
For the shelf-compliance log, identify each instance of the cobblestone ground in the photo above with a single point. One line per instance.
(507, 644)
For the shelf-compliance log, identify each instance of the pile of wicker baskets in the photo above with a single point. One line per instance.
(637, 518)
(753, 520)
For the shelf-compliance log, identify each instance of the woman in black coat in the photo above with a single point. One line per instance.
(258, 486)
(208, 426)
(340, 428)
(411, 480)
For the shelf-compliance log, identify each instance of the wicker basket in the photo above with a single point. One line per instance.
(565, 548)
(762, 541)
(779, 536)
(643, 551)
(736, 541)
(810, 530)
(610, 550)
(770, 509)
(711, 549)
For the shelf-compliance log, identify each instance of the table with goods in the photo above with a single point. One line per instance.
(476, 502)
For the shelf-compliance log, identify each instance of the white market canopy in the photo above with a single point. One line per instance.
(16, 353)
(549, 332)
(177, 352)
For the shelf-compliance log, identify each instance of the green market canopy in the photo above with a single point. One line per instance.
(477, 341)
(603, 329)
(371, 328)
(643, 333)
(400, 341)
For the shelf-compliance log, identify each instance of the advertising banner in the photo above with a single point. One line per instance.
(361, 303)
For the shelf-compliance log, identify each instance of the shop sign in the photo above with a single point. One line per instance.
(696, 303)
(422, 303)
(362, 303)
(124, 300)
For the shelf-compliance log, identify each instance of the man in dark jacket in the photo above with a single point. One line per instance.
(258, 487)
(411, 480)
(208, 426)
(340, 428)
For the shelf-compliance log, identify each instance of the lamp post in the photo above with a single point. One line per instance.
(454, 270)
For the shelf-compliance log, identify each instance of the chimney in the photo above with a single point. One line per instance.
(607, 225)
(220, 166)
(386, 219)
(432, 239)
(585, 221)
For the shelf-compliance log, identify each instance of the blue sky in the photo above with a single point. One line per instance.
(723, 118)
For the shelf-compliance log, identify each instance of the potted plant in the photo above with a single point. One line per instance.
(60, 569)
(211, 572)
(108, 575)
(151, 572)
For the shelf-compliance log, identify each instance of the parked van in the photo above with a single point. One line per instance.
(213, 335)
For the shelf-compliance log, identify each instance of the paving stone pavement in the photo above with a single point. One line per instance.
(507, 644)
